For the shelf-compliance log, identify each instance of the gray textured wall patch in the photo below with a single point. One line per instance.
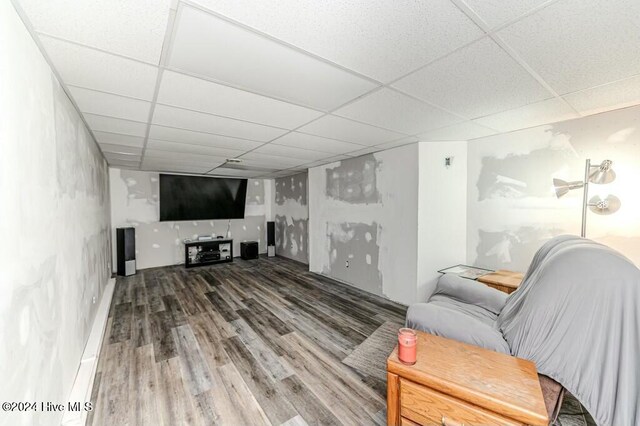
(292, 188)
(255, 192)
(354, 180)
(292, 238)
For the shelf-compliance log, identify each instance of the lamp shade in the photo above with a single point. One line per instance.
(606, 206)
(603, 173)
(562, 186)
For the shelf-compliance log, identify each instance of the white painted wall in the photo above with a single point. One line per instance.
(135, 202)
(442, 211)
(395, 215)
(54, 212)
(512, 209)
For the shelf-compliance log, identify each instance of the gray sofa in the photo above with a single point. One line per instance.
(576, 315)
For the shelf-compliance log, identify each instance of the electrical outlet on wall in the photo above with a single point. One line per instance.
(346, 264)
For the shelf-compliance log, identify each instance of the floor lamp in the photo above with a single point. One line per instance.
(599, 174)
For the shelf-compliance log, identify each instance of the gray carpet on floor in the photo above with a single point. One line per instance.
(370, 359)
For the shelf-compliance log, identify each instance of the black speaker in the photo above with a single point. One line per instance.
(126, 251)
(271, 239)
(249, 250)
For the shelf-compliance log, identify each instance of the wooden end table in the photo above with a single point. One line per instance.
(454, 383)
(503, 280)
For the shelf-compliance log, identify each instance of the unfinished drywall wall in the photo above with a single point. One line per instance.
(363, 222)
(135, 202)
(55, 229)
(512, 208)
(292, 217)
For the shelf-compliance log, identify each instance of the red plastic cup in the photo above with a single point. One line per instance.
(407, 346)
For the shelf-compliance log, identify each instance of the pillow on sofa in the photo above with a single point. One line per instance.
(472, 292)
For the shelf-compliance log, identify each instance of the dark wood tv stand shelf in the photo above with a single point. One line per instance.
(208, 252)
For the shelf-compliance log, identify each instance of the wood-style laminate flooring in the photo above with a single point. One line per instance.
(243, 343)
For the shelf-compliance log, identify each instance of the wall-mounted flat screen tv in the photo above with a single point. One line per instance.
(201, 198)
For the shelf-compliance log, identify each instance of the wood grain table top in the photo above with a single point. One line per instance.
(503, 278)
(488, 379)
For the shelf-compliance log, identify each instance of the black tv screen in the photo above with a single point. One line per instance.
(201, 198)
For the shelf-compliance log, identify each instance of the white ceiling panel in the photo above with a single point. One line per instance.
(221, 171)
(121, 157)
(117, 139)
(378, 38)
(131, 28)
(498, 12)
(192, 149)
(274, 161)
(340, 128)
(458, 132)
(131, 164)
(173, 167)
(199, 159)
(201, 122)
(110, 105)
(201, 46)
(115, 125)
(120, 149)
(544, 112)
(610, 96)
(327, 161)
(364, 151)
(478, 80)
(200, 95)
(93, 69)
(289, 151)
(316, 143)
(186, 136)
(577, 44)
(395, 144)
(396, 111)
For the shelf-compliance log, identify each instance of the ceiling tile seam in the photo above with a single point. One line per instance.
(597, 86)
(108, 92)
(166, 47)
(464, 8)
(112, 117)
(462, 5)
(358, 146)
(205, 133)
(97, 49)
(429, 103)
(29, 27)
(278, 41)
(198, 154)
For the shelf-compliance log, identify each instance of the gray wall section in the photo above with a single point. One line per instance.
(55, 227)
(134, 202)
(512, 208)
(364, 219)
(292, 217)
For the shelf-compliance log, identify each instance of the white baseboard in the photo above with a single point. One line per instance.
(83, 384)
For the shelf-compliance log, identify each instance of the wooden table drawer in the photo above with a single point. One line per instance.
(426, 406)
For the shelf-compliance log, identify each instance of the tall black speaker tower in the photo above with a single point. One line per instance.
(126, 251)
(271, 239)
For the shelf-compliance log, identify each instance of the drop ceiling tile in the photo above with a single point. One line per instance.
(345, 130)
(289, 151)
(110, 105)
(117, 139)
(201, 46)
(396, 111)
(327, 161)
(478, 80)
(131, 28)
(168, 167)
(102, 123)
(498, 12)
(120, 149)
(610, 96)
(458, 132)
(267, 160)
(236, 173)
(110, 156)
(395, 144)
(187, 136)
(549, 111)
(201, 95)
(201, 122)
(93, 69)
(577, 44)
(124, 163)
(364, 151)
(378, 38)
(192, 149)
(316, 143)
(153, 155)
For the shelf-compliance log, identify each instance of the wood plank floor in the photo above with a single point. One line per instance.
(243, 343)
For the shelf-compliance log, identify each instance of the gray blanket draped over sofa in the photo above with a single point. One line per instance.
(576, 315)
